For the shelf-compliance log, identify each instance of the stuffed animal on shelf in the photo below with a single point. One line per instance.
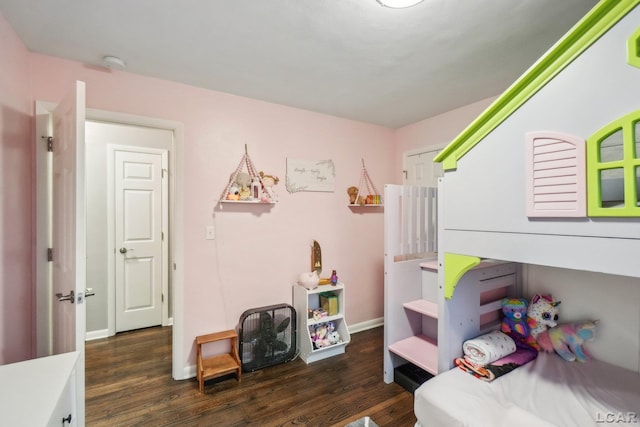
(514, 322)
(268, 182)
(334, 337)
(234, 193)
(542, 314)
(321, 338)
(243, 181)
(353, 194)
(309, 280)
(567, 340)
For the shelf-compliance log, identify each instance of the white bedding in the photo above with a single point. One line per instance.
(546, 392)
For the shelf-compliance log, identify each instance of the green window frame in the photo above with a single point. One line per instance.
(613, 169)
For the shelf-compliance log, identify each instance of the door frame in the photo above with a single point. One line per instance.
(111, 239)
(417, 152)
(176, 226)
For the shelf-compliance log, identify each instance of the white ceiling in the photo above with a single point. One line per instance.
(348, 58)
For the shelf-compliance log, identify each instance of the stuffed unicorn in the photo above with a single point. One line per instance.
(567, 340)
(542, 314)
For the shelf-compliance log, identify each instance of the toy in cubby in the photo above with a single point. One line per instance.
(324, 335)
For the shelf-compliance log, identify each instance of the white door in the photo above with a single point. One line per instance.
(140, 201)
(68, 234)
(420, 170)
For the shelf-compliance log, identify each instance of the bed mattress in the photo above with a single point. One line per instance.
(546, 392)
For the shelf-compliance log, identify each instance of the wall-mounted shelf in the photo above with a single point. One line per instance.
(251, 202)
(372, 192)
(256, 193)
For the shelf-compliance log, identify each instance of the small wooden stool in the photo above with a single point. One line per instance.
(222, 364)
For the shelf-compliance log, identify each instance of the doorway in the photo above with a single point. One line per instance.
(127, 227)
(175, 251)
(419, 168)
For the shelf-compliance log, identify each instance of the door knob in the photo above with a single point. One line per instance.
(123, 250)
(71, 297)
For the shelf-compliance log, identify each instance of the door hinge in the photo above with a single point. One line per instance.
(162, 236)
(49, 143)
(49, 254)
(162, 297)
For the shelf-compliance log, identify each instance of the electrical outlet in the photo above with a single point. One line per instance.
(211, 234)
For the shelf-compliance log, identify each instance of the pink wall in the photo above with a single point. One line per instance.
(256, 255)
(438, 130)
(16, 189)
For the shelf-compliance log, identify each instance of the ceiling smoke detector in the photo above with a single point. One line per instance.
(398, 4)
(114, 62)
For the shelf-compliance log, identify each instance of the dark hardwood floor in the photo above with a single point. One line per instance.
(128, 383)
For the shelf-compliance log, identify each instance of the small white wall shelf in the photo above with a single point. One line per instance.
(372, 191)
(306, 300)
(259, 193)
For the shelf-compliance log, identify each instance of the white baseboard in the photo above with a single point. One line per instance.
(94, 335)
(104, 333)
(368, 324)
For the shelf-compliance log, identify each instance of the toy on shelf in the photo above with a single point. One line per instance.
(542, 314)
(249, 186)
(324, 335)
(316, 262)
(356, 196)
(309, 280)
(268, 182)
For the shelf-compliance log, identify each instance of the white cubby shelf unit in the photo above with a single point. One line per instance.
(306, 300)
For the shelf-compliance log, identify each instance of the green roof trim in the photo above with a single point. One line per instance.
(598, 21)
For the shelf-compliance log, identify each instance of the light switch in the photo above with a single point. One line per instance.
(211, 234)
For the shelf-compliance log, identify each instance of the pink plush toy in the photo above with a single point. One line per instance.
(567, 340)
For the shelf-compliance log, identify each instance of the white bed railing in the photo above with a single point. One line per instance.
(411, 221)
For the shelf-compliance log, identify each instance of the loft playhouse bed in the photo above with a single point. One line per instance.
(581, 222)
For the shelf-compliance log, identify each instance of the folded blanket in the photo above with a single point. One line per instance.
(488, 348)
(489, 372)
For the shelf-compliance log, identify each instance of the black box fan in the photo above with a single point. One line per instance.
(267, 336)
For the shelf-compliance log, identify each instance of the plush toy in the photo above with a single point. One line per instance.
(542, 314)
(245, 194)
(234, 193)
(353, 194)
(567, 340)
(321, 338)
(309, 280)
(514, 322)
(243, 181)
(334, 337)
(362, 200)
(268, 182)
